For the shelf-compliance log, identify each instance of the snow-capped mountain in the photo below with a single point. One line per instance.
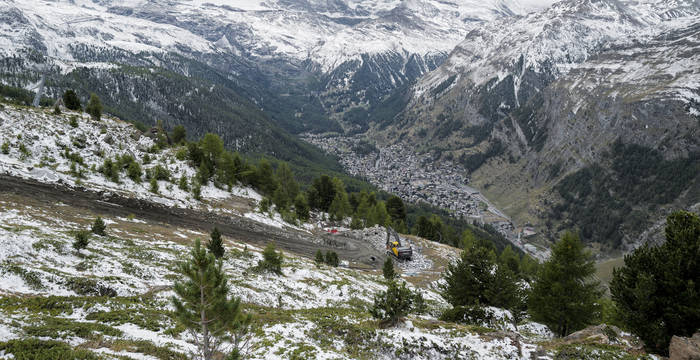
(550, 43)
(353, 51)
(550, 92)
(327, 33)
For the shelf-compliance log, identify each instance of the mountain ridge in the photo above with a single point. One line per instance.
(536, 101)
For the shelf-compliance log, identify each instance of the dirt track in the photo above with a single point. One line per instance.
(360, 254)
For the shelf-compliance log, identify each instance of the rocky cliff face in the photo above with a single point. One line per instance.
(524, 102)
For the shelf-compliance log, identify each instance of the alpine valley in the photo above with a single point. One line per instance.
(539, 106)
(224, 179)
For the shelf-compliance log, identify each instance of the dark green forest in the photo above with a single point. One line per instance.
(607, 204)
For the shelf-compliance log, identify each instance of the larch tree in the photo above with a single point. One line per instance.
(565, 295)
(657, 291)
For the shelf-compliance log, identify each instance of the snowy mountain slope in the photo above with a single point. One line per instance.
(347, 46)
(547, 94)
(45, 147)
(316, 311)
(660, 77)
(112, 298)
(548, 44)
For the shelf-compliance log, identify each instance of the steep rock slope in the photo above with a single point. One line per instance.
(548, 94)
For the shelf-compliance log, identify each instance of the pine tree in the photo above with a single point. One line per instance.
(419, 306)
(182, 184)
(203, 308)
(134, 171)
(319, 258)
(378, 215)
(179, 134)
(196, 190)
(288, 186)
(271, 261)
(154, 185)
(393, 304)
(322, 193)
(657, 291)
(468, 239)
(204, 172)
(215, 245)
(363, 210)
(264, 205)
(82, 239)
(264, 178)
(212, 147)
(507, 293)
(301, 207)
(423, 228)
(332, 258)
(388, 269)
(468, 280)
(56, 109)
(509, 259)
(70, 100)
(280, 199)
(226, 172)
(529, 267)
(340, 206)
(94, 107)
(396, 209)
(98, 227)
(564, 297)
(111, 170)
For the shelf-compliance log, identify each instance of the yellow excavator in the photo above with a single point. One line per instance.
(394, 247)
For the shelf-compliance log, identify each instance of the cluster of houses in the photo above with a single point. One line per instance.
(420, 178)
(414, 177)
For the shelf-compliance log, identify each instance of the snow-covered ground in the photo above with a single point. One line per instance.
(328, 34)
(138, 257)
(318, 311)
(560, 38)
(113, 298)
(46, 138)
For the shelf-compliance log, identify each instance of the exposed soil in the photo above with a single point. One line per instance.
(358, 253)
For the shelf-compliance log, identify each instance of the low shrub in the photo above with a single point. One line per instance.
(35, 349)
(271, 262)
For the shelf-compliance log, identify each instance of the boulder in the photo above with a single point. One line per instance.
(607, 335)
(683, 348)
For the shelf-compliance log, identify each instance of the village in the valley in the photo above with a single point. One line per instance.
(420, 178)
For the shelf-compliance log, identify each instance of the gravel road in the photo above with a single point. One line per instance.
(359, 254)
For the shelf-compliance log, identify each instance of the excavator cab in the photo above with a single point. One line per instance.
(394, 247)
